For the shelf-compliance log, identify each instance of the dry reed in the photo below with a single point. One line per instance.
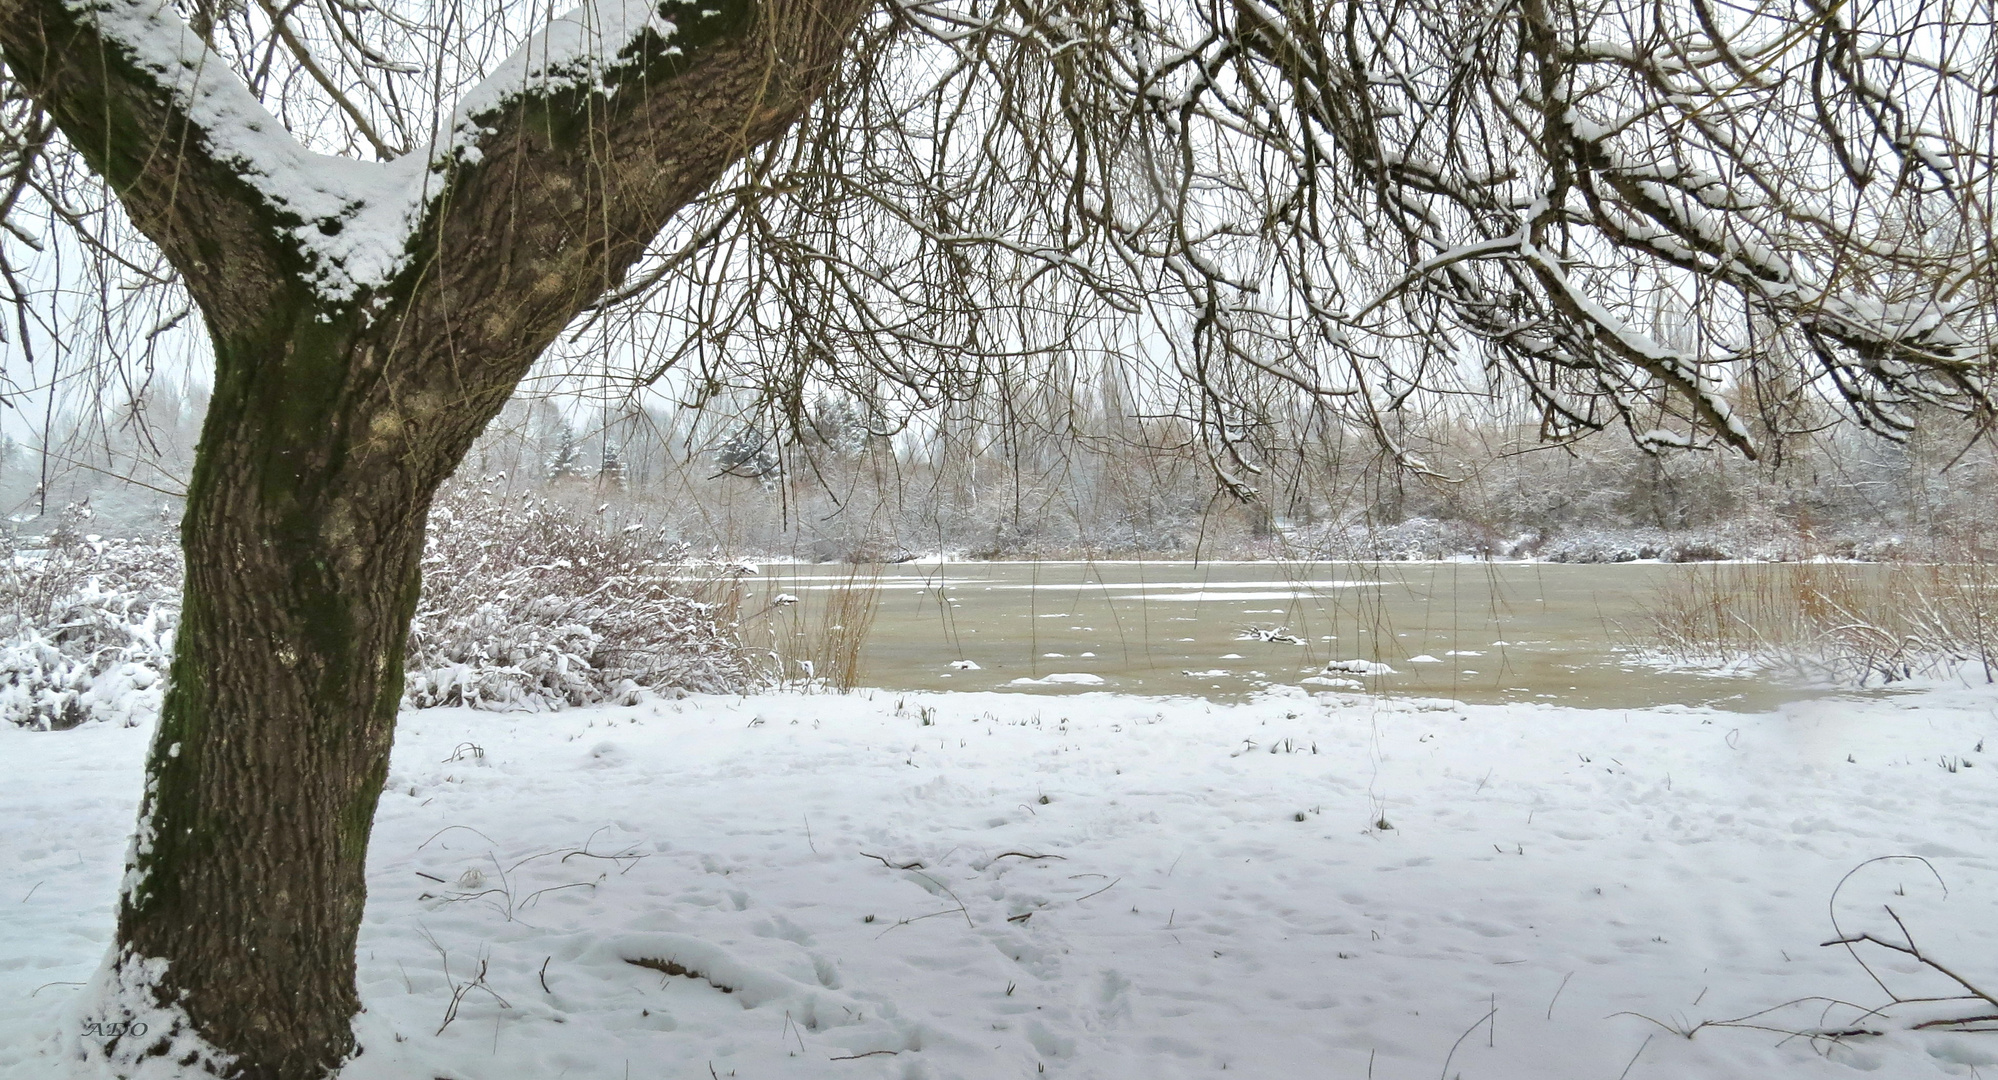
(818, 642)
(1854, 622)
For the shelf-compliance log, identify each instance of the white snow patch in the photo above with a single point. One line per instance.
(1225, 893)
(1358, 667)
(118, 1025)
(1061, 678)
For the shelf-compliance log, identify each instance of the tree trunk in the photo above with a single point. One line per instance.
(302, 575)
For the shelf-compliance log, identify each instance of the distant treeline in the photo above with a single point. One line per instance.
(823, 484)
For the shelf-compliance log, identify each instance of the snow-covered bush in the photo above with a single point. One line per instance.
(1415, 538)
(531, 603)
(86, 627)
(527, 603)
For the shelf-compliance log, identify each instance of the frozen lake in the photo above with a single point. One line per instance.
(1476, 632)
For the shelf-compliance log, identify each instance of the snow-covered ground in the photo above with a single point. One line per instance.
(997, 885)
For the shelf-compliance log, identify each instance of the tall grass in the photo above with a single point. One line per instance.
(818, 641)
(1855, 623)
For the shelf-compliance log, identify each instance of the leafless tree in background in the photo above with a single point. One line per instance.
(1656, 216)
(1639, 214)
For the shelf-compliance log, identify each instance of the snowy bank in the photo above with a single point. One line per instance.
(992, 885)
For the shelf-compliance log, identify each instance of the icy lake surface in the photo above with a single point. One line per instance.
(1475, 632)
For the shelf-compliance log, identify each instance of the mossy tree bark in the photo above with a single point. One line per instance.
(331, 426)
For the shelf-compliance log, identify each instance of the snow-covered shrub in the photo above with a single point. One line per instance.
(527, 603)
(530, 603)
(86, 627)
(1413, 539)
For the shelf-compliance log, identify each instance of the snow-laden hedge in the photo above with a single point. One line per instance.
(527, 604)
(86, 626)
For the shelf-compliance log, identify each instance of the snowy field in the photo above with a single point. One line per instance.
(996, 885)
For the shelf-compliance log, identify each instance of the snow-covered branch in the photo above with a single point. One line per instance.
(353, 221)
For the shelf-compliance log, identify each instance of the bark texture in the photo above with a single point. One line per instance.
(329, 430)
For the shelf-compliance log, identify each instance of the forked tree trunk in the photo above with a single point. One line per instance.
(332, 423)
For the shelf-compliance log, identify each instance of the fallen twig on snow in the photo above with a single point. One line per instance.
(1908, 947)
(915, 865)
